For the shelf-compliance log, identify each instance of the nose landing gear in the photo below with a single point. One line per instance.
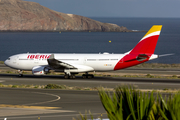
(20, 73)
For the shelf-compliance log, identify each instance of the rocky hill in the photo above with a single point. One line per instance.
(19, 15)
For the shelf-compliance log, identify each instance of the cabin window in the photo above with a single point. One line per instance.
(23, 59)
(114, 59)
(91, 59)
(103, 59)
(69, 59)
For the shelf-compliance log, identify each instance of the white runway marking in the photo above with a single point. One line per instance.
(58, 98)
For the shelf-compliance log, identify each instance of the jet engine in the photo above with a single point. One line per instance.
(40, 70)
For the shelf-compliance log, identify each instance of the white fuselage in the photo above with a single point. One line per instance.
(95, 62)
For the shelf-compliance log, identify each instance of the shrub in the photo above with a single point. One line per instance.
(149, 76)
(175, 76)
(9, 72)
(170, 108)
(14, 86)
(54, 86)
(36, 86)
(85, 117)
(27, 86)
(127, 103)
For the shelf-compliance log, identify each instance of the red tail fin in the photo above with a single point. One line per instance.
(148, 43)
(142, 51)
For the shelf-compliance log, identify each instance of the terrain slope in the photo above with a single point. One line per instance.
(19, 15)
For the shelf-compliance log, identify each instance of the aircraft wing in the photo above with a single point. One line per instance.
(54, 63)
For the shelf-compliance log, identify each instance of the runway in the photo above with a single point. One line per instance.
(109, 82)
(33, 104)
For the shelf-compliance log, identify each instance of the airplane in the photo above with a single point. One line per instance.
(71, 64)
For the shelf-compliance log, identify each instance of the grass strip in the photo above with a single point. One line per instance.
(25, 106)
(65, 87)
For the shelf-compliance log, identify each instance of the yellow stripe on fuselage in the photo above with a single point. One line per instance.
(154, 28)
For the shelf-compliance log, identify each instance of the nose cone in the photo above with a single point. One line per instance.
(6, 62)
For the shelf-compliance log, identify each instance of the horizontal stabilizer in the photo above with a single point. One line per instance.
(166, 55)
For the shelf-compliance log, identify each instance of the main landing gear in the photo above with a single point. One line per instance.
(72, 76)
(20, 73)
(89, 76)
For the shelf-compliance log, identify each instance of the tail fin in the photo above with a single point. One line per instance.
(148, 43)
(143, 51)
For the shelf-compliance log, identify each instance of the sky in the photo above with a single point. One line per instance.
(115, 8)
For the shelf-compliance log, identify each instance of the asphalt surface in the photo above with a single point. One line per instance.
(69, 104)
(109, 82)
(31, 104)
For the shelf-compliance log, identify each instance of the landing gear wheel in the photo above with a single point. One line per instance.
(84, 76)
(89, 76)
(92, 76)
(72, 77)
(20, 75)
(66, 76)
(69, 76)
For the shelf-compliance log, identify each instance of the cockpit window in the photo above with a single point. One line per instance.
(9, 58)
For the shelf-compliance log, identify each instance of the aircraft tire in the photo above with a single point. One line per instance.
(66, 76)
(89, 76)
(84, 76)
(72, 77)
(92, 76)
(20, 75)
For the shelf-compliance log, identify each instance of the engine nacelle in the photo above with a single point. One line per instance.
(40, 70)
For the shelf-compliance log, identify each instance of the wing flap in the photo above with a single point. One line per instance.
(54, 63)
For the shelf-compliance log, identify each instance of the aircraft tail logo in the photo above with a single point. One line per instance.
(143, 51)
(148, 43)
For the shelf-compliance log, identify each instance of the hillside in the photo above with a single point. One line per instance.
(19, 15)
